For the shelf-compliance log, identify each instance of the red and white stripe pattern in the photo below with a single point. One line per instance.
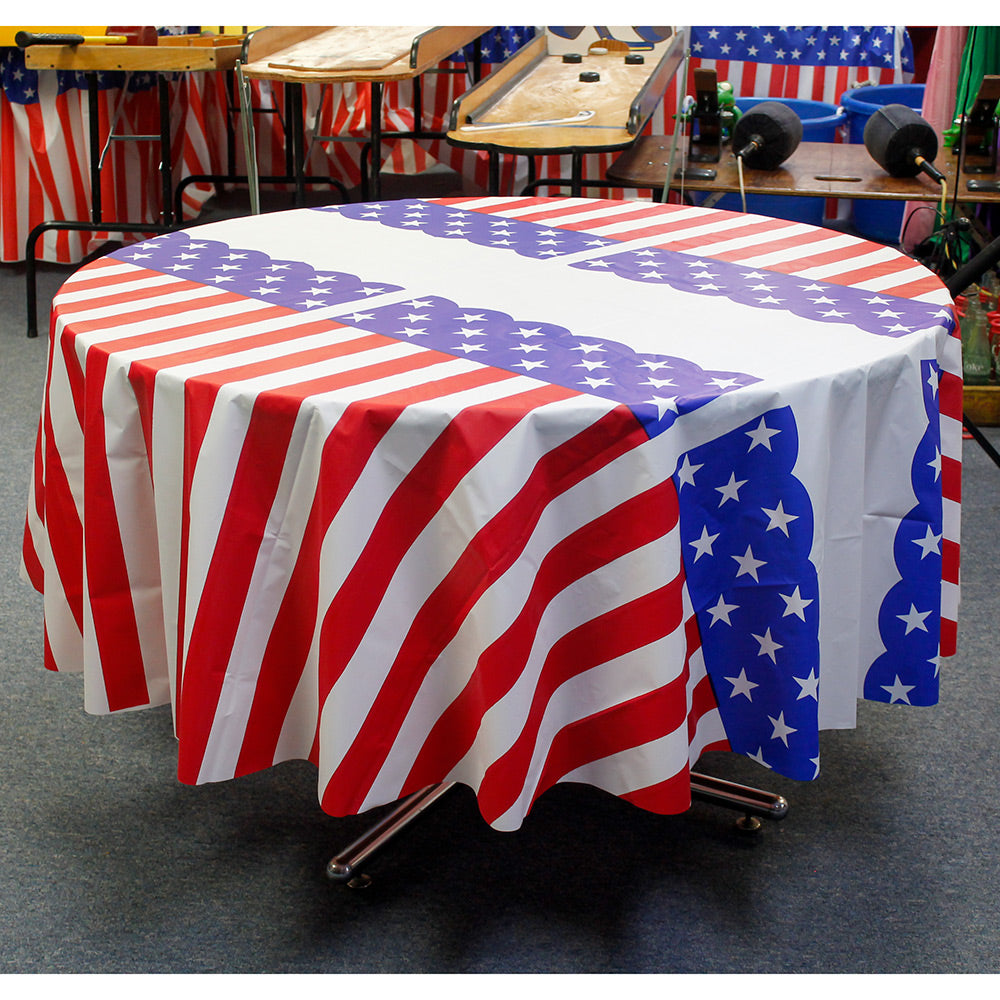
(318, 542)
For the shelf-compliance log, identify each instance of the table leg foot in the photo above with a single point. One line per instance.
(344, 867)
(752, 802)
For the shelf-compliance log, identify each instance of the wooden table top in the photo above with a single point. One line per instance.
(352, 53)
(133, 58)
(815, 169)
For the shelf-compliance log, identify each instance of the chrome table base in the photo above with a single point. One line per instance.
(752, 802)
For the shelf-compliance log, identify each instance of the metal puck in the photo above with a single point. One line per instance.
(572, 57)
(634, 59)
(589, 76)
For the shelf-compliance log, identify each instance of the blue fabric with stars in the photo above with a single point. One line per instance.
(651, 265)
(657, 387)
(910, 616)
(804, 46)
(747, 529)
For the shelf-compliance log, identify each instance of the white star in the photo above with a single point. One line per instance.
(468, 348)
(762, 434)
(759, 757)
(749, 565)
(935, 463)
(721, 611)
(914, 619)
(596, 383)
(663, 406)
(529, 365)
(656, 383)
(795, 604)
(809, 686)
(898, 691)
(781, 729)
(703, 544)
(685, 474)
(731, 491)
(768, 647)
(929, 543)
(741, 685)
(777, 518)
(932, 381)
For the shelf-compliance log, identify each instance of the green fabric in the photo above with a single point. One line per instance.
(981, 57)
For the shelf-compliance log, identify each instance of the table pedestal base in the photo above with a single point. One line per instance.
(752, 802)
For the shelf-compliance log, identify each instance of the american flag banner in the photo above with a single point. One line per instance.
(504, 491)
(817, 63)
(45, 172)
(45, 144)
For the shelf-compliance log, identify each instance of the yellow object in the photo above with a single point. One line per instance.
(8, 31)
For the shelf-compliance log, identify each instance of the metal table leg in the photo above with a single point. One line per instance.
(752, 802)
(344, 867)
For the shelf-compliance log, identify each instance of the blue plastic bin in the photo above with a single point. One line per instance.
(877, 220)
(820, 121)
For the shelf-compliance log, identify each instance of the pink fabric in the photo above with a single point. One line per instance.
(938, 109)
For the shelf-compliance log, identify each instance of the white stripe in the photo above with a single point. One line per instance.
(632, 576)
(134, 511)
(498, 608)
(595, 690)
(286, 525)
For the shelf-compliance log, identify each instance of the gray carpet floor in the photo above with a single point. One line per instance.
(888, 863)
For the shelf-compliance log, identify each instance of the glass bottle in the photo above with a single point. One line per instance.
(977, 357)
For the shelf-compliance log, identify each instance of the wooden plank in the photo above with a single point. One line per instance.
(536, 96)
(815, 169)
(981, 403)
(271, 52)
(496, 83)
(435, 45)
(348, 48)
(132, 58)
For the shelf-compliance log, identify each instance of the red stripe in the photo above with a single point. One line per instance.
(792, 241)
(631, 724)
(869, 272)
(918, 286)
(591, 546)
(464, 442)
(9, 202)
(345, 453)
(738, 230)
(821, 258)
(631, 626)
(951, 478)
(254, 486)
(108, 589)
(950, 398)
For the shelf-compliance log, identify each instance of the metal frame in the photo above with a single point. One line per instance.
(97, 221)
(345, 867)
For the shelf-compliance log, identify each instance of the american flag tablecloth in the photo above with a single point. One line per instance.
(502, 491)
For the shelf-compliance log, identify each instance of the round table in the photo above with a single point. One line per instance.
(499, 491)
